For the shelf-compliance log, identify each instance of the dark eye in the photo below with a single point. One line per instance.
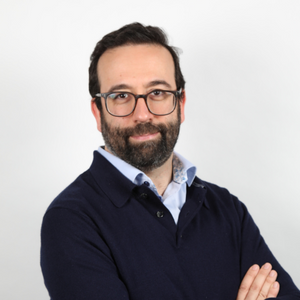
(122, 96)
(116, 96)
(157, 93)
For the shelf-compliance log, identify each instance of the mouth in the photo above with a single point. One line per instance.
(144, 137)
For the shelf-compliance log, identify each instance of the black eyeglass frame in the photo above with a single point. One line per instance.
(177, 95)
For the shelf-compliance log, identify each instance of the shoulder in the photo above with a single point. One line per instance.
(220, 198)
(75, 210)
(75, 194)
(83, 199)
(94, 193)
(214, 191)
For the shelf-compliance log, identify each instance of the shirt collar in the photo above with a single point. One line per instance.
(183, 170)
(126, 169)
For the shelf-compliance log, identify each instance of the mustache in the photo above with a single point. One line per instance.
(144, 128)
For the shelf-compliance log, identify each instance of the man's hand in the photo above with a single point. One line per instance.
(259, 284)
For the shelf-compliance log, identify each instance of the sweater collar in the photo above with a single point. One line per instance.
(118, 187)
(110, 180)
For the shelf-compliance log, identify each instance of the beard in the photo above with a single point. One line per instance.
(147, 155)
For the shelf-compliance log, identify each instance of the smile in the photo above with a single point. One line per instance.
(144, 137)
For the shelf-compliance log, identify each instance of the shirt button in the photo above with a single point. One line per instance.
(160, 214)
(146, 183)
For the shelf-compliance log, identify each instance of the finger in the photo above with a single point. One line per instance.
(274, 290)
(267, 285)
(258, 283)
(247, 282)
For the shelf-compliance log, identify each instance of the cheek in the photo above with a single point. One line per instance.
(120, 122)
(115, 122)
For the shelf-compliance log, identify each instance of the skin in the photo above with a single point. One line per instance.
(259, 283)
(140, 69)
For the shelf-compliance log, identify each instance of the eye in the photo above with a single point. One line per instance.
(157, 93)
(117, 96)
(122, 96)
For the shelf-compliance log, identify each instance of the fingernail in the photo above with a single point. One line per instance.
(255, 267)
(275, 285)
(272, 273)
(267, 266)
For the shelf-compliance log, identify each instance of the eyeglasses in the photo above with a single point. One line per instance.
(158, 102)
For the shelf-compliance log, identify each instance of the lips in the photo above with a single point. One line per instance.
(143, 132)
(144, 137)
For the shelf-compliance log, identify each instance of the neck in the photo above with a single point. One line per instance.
(162, 176)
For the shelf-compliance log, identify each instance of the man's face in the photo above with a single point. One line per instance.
(142, 139)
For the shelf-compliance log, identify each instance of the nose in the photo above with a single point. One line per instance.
(141, 113)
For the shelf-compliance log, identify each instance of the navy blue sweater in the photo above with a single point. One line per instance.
(104, 237)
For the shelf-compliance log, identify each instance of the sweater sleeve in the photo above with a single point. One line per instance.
(76, 262)
(254, 250)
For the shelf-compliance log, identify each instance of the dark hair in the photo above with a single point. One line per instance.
(134, 33)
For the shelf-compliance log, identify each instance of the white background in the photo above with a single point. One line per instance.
(241, 61)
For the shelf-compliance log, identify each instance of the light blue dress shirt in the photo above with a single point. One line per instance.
(174, 196)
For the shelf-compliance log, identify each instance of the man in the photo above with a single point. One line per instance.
(139, 224)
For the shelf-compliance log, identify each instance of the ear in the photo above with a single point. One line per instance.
(182, 106)
(96, 114)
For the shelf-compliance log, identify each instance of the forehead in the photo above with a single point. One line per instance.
(135, 65)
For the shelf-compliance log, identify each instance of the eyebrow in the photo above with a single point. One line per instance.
(158, 82)
(119, 87)
(122, 86)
